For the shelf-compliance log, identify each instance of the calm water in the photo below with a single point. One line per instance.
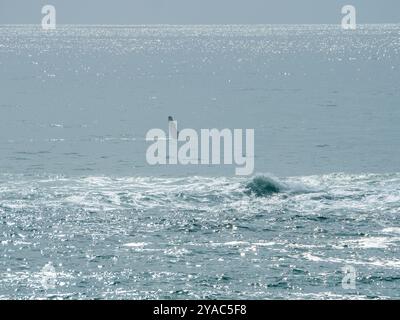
(83, 215)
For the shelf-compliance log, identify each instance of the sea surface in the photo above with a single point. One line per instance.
(83, 216)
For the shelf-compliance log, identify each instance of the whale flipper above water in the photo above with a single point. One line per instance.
(172, 125)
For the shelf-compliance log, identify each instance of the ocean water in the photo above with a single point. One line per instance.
(83, 216)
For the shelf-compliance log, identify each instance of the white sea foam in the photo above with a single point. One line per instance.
(135, 244)
(372, 242)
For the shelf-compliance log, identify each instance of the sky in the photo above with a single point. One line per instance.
(198, 11)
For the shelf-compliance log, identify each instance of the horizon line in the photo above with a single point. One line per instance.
(196, 24)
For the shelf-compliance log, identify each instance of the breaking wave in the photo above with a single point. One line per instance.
(103, 193)
(266, 185)
(263, 186)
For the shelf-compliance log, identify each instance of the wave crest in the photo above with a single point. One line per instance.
(262, 186)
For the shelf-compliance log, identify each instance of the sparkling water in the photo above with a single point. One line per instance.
(84, 216)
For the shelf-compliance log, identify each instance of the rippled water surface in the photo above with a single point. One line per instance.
(82, 215)
(200, 237)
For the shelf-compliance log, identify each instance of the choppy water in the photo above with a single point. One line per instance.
(197, 237)
(83, 215)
